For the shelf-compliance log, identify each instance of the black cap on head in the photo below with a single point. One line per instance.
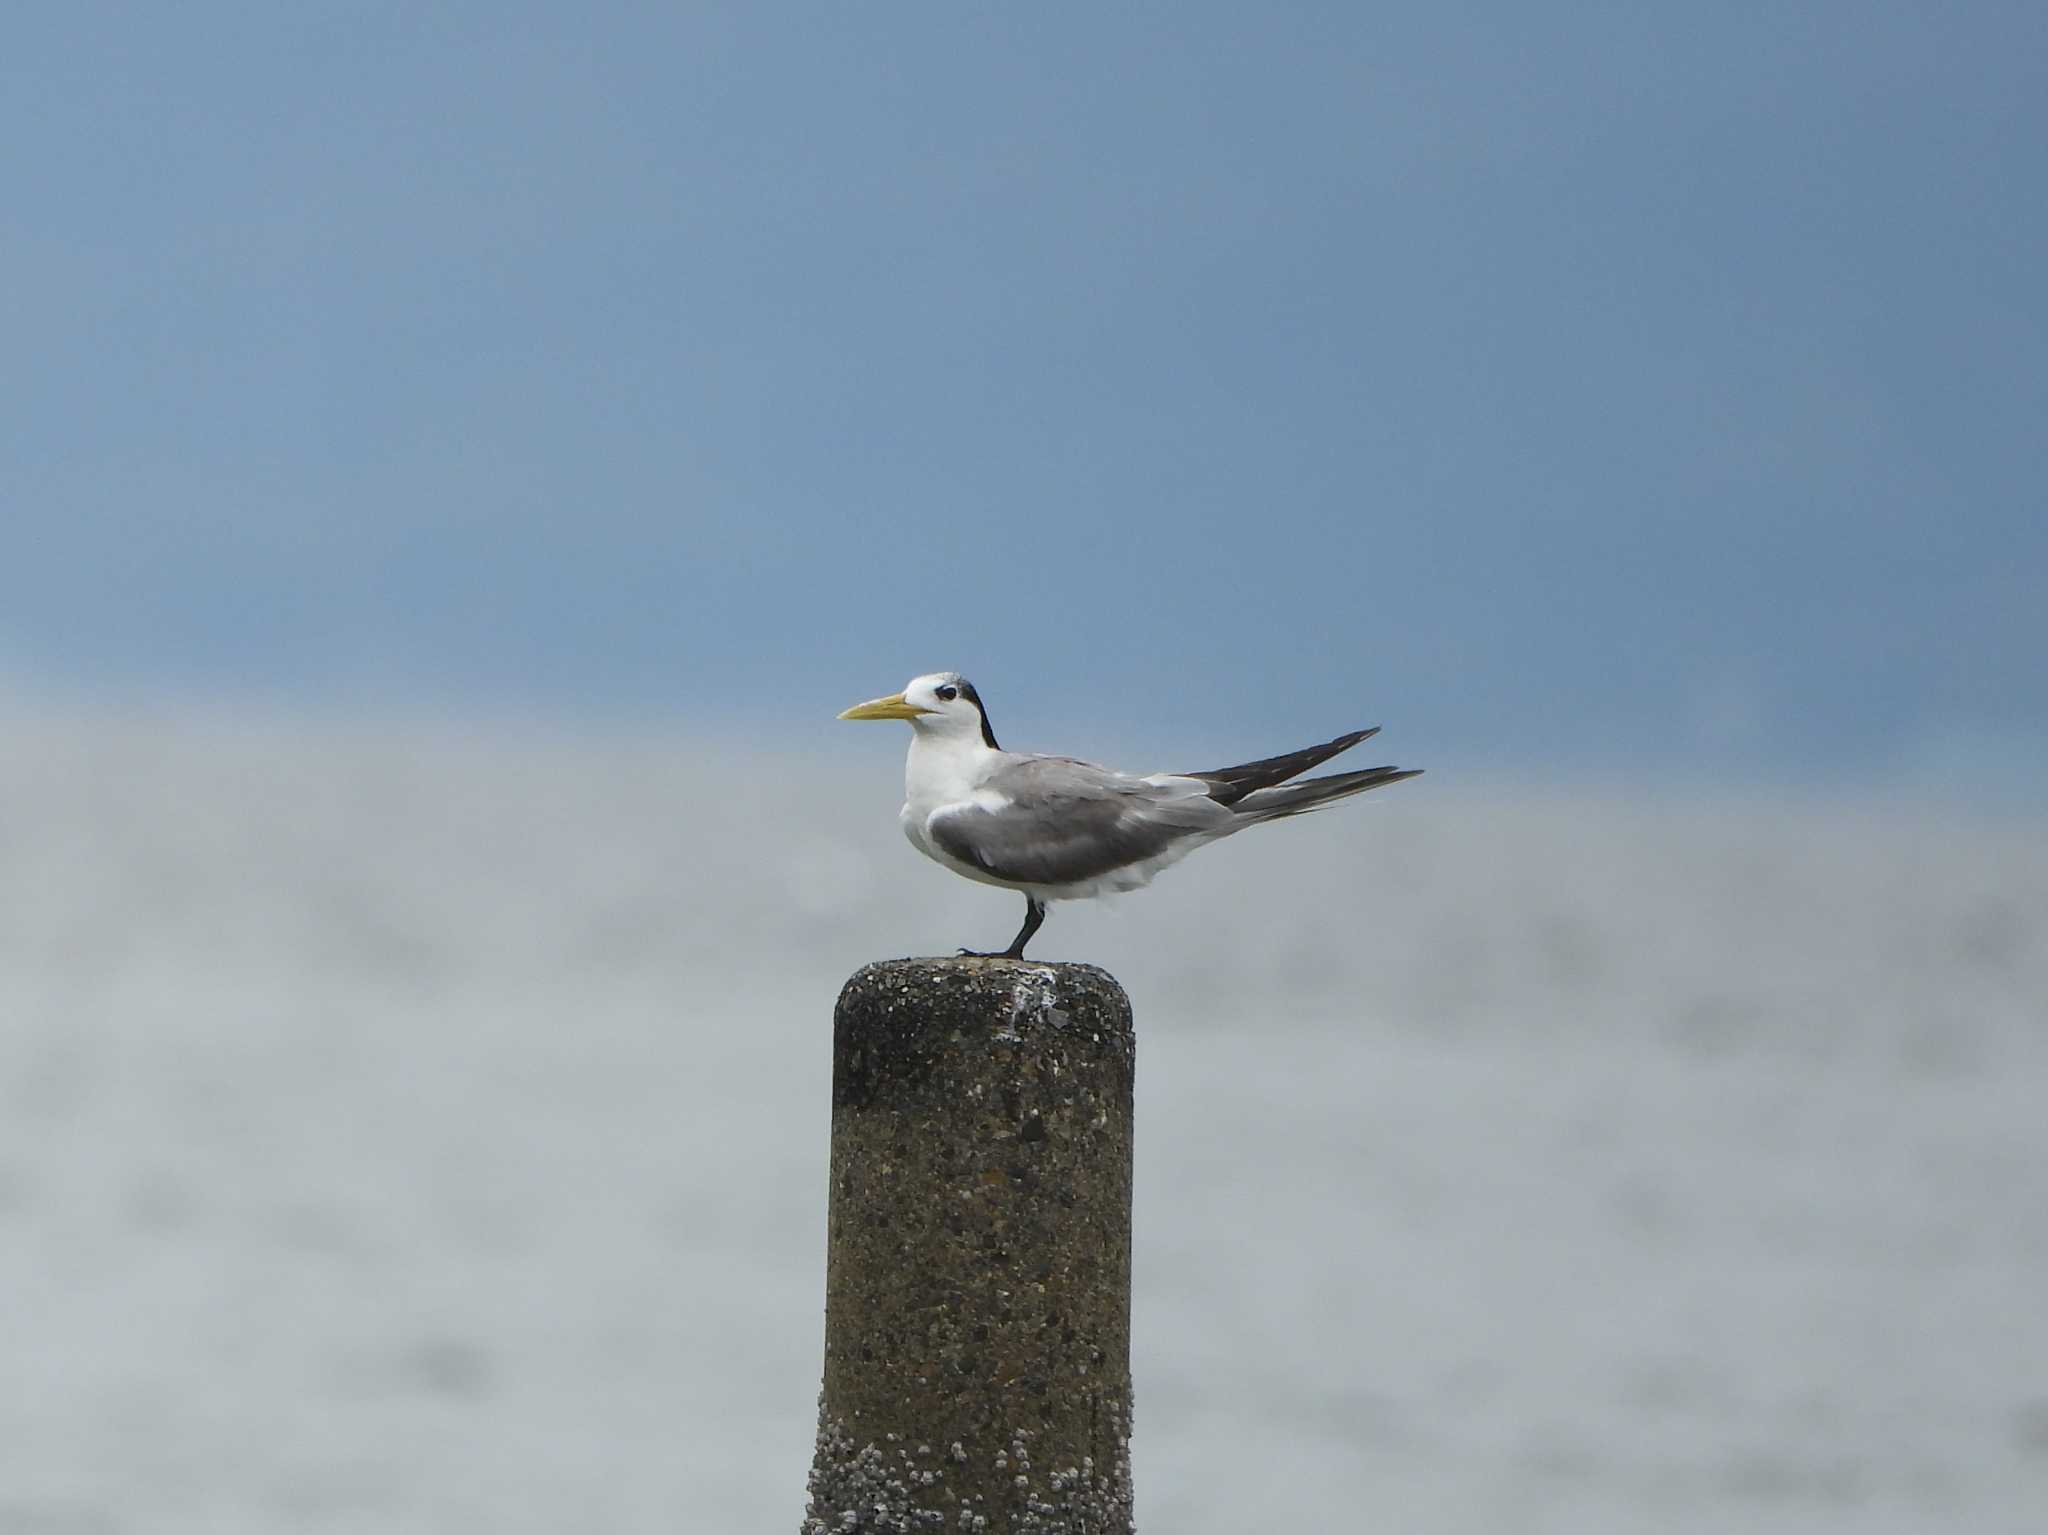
(967, 692)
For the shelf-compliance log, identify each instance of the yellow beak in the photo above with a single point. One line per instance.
(891, 708)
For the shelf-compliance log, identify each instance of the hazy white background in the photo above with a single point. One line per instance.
(425, 1129)
(454, 461)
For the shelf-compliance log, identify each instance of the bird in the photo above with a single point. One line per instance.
(1060, 829)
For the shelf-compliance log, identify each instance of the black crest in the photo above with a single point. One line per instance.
(988, 735)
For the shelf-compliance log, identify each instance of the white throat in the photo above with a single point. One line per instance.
(944, 766)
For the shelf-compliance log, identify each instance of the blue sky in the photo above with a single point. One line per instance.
(1626, 389)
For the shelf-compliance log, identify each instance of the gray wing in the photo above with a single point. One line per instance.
(1065, 821)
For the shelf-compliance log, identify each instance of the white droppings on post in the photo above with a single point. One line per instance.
(1036, 994)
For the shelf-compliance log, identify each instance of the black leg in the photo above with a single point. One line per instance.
(1034, 918)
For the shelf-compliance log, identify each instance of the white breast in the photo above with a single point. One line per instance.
(941, 773)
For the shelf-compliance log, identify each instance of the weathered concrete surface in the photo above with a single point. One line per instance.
(978, 1278)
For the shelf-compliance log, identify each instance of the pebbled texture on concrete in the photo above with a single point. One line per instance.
(977, 1311)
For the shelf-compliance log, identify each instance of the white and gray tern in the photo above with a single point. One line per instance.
(1059, 829)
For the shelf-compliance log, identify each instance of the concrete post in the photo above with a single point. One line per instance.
(978, 1268)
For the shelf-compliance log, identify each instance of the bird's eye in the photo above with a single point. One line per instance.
(947, 692)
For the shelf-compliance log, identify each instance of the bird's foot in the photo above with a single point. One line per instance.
(988, 954)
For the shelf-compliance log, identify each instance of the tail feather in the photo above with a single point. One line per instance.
(1227, 786)
(1272, 804)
